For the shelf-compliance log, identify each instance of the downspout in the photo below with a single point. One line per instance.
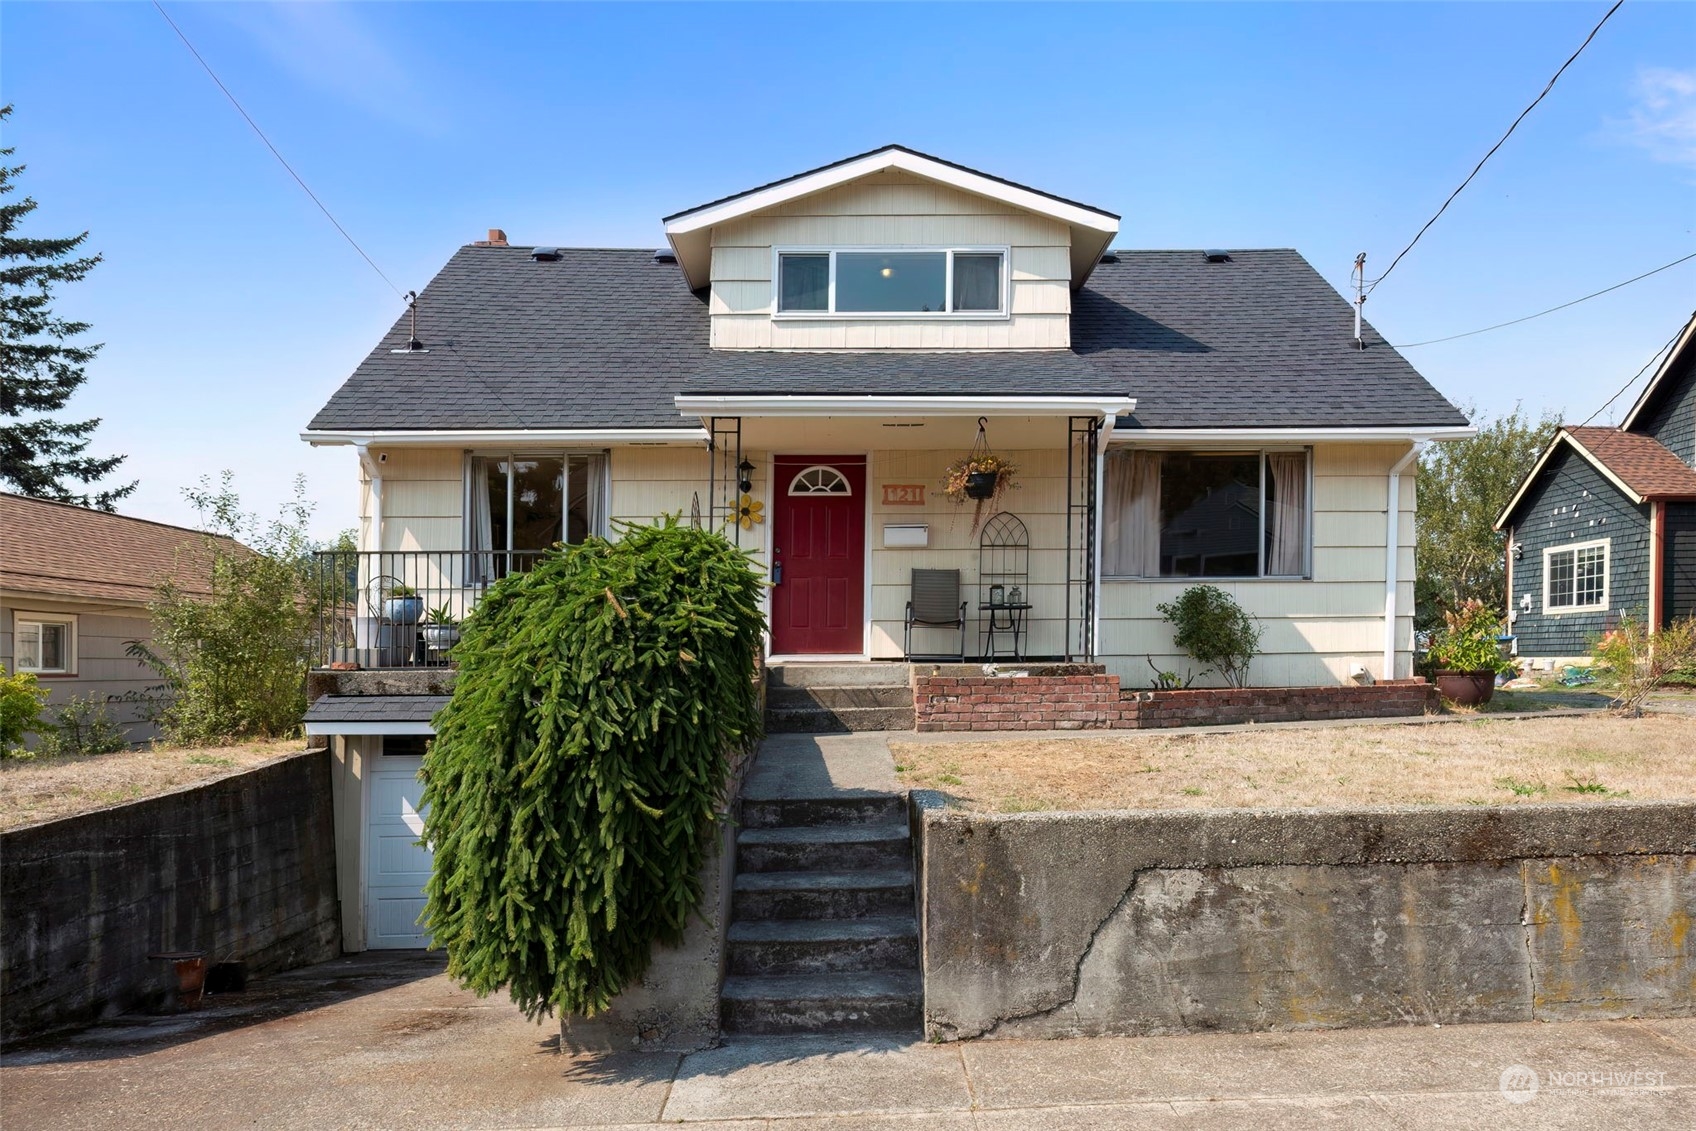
(1108, 420)
(375, 477)
(1392, 551)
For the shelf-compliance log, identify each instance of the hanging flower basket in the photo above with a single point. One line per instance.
(980, 476)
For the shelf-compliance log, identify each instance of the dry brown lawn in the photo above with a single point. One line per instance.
(1478, 761)
(42, 789)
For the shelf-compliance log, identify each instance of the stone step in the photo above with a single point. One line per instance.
(832, 698)
(837, 720)
(842, 809)
(860, 1002)
(822, 895)
(862, 674)
(824, 848)
(823, 946)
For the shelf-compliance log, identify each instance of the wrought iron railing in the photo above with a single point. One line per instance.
(402, 608)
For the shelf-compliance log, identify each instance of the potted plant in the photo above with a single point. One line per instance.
(440, 630)
(403, 605)
(1466, 656)
(980, 476)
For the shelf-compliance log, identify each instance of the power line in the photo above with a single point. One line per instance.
(1634, 377)
(280, 159)
(1493, 148)
(1552, 309)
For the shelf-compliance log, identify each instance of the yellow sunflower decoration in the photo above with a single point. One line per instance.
(748, 513)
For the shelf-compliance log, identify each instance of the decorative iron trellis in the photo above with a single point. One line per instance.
(724, 477)
(1083, 454)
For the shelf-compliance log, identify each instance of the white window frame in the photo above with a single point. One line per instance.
(1607, 576)
(1260, 552)
(22, 617)
(1005, 251)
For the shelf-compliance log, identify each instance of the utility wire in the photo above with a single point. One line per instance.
(1493, 148)
(207, 67)
(1552, 309)
(1634, 377)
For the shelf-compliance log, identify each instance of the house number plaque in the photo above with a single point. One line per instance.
(903, 494)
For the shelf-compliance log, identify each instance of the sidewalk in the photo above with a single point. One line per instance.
(388, 1042)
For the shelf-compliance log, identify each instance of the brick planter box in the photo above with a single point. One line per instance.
(1084, 697)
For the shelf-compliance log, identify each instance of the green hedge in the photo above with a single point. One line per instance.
(574, 782)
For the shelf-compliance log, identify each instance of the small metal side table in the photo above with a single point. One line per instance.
(1008, 619)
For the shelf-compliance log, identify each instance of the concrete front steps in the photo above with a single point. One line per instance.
(825, 698)
(823, 935)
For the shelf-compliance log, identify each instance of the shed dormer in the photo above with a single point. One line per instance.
(891, 249)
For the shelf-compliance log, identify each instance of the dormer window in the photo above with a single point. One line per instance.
(892, 282)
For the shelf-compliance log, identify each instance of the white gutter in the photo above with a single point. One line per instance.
(511, 436)
(1169, 436)
(332, 727)
(838, 405)
(1392, 551)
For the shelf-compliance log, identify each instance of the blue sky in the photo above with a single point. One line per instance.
(231, 309)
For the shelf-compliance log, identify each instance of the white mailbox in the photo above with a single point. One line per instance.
(905, 535)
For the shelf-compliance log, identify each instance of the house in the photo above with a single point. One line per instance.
(798, 366)
(1604, 526)
(74, 589)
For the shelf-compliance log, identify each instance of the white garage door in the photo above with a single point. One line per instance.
(397, 866)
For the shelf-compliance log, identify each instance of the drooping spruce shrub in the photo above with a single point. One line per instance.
(577, 771)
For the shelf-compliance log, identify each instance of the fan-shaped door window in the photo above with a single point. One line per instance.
(820, 480)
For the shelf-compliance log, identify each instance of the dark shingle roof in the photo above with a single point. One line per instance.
(606, 339)
(375, 708)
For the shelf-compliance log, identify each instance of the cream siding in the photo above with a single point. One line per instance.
(1314, 631)
(892, 209)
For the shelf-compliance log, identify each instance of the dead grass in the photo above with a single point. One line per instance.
(1478, 761)
(42, 789)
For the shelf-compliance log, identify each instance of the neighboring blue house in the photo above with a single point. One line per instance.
(1605, 524)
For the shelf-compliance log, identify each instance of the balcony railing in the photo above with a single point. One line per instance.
(402, 608)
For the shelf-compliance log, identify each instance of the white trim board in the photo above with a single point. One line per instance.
(1178, 437)
(332, 727)
(511, 436)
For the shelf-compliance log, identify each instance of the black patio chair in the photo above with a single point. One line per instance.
(935, 602)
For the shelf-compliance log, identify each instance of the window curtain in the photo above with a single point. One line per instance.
(1131, 526)
(481, 530)
(597, 476)
(1287, 554)
(977, 282)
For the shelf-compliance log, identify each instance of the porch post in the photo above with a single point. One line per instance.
(1083, 478)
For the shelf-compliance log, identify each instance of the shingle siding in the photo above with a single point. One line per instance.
(1671, 417)
(1572, 502)
(1678, 548)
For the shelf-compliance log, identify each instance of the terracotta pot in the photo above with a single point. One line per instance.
(981, 484)
(191, 975)
(1467, 689)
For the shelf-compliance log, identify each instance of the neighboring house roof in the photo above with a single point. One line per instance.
(55, 550)
(1682, 345)
(1640, 466)
(607, 338)
(689, 232)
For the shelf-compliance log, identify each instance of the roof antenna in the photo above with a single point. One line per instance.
(413, 345)
(1359, 296)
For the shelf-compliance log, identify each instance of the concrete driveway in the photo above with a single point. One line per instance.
(389, 1042)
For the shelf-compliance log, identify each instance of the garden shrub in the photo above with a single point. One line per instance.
(82, 725)
(1467, 641)
(578, 769)
(1214, 630)
(1638, 662)
(21, 699)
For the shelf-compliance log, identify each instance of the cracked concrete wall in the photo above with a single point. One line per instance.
(243, 867)
(1072, 924)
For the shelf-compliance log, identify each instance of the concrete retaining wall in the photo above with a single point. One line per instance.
(1081, 697)
(242, 868)
(1075, 924)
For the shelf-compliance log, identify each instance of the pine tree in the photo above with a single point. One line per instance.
(39, 365)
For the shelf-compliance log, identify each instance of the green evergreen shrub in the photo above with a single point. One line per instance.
(21, 700)
(577, 772)
(82, 725)
(1215, 630)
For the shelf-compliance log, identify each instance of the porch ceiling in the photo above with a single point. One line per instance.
(847, 435)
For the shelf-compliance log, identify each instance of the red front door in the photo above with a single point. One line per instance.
(818, 551)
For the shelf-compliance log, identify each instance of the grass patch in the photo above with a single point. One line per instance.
(1599, 758)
